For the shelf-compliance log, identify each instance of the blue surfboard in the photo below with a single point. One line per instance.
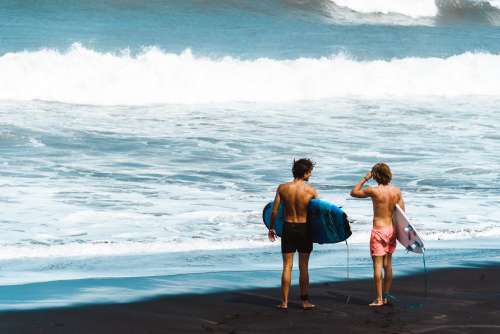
(328, 223)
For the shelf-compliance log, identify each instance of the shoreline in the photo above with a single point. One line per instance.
(249, 270)
(464, 299)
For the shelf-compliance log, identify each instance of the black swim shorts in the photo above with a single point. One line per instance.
(296, 237)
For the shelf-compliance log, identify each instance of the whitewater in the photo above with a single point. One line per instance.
(417, 8)
(84, 76)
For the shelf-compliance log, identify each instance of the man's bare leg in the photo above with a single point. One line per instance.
(304, 280)
(387, 274)
(378, 262)
(286, 279)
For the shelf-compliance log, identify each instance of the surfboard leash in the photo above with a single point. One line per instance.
(348, 260)
(348, 269)
(426, 286)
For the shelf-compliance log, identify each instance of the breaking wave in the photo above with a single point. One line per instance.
(412, 8)
(419, 8)
(84, 76)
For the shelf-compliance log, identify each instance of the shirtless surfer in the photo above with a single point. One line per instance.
(295, 196)
(383, 236)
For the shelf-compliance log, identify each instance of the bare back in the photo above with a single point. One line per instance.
(384, 198)
(296, 196)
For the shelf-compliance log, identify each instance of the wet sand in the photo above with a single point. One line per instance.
(463, 300)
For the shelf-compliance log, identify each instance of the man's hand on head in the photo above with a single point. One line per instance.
(358, 190)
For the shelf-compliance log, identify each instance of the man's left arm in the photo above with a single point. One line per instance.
(314, 193)
(401, 202)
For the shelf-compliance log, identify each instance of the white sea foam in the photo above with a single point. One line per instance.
(417, 8)
(103, 249)
(412, 8)
(85, 76)
(36, 143)
(98, 249)
(490, 231)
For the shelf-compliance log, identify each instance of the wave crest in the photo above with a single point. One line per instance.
(412, 8)
(85, 76)
(477, 10)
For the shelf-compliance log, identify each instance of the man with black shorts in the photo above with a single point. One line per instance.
(295, 196)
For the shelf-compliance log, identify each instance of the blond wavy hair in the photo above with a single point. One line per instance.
(382, 173)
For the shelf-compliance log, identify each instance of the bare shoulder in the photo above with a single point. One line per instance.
(369, 190)
(283, 186)
(311, 190)
(372, 192)
(310, 187)
(396, 190)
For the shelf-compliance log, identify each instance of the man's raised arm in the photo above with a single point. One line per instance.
(358, 190)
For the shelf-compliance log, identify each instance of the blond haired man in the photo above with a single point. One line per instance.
(384, 197)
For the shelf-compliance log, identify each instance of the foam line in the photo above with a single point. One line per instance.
(419, 8)
(85, 76)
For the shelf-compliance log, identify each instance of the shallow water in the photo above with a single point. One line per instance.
(131, 278)
(116, 181)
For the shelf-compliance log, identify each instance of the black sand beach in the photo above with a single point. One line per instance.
(465, 300)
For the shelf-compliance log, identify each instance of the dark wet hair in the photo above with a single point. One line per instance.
(382, 173)
(301, 167)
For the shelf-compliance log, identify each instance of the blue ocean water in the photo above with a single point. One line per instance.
(139, 141)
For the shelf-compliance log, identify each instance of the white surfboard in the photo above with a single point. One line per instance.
(406, 233)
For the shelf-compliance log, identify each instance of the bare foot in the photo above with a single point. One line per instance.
(377, 303)
(389, 299)
(306, 305)
(282, 306)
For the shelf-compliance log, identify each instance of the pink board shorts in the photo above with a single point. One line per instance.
(383, 240)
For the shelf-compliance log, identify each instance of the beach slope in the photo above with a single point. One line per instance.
(462, 300)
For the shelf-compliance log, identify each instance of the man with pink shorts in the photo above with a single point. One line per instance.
(382, 240)
(383, 237)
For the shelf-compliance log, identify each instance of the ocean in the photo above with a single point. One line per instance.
(140, 140)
